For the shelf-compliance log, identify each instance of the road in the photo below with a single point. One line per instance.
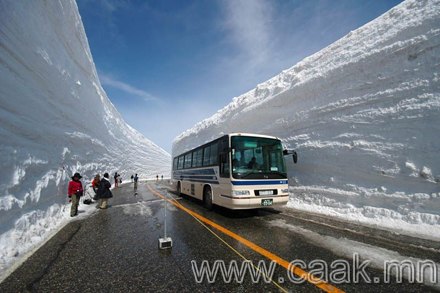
(116, 250)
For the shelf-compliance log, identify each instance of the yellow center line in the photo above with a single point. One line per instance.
(238, 253)
(294, 269)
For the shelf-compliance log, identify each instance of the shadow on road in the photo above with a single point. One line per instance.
(228, 213)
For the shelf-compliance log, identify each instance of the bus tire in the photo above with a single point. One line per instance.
(207, 198)
(179, 189)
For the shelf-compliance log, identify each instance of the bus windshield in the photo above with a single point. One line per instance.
(257, 158)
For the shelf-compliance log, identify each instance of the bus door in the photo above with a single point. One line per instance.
(224, 167)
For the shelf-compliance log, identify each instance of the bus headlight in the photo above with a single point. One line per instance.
(285, 190)
(240, 192)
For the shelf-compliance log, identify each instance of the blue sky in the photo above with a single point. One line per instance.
(167, 65)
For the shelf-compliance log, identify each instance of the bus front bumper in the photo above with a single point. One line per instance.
(255, 202)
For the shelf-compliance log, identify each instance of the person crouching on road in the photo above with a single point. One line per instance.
(75, 191)
(104, 192)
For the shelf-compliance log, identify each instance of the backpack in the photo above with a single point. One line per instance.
(87, 201)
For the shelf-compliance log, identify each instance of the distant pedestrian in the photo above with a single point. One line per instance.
(157, 177)
(104, 192)
(75, 191)
(95, 185)
(116, 179)
(135, 179)
(161, 178)
(132, 177)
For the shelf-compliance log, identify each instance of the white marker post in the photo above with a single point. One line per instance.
(165, 242)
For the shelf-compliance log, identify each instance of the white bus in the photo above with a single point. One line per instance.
(236, 171)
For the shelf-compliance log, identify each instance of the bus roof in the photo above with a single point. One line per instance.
(252, 134)
(228, 134)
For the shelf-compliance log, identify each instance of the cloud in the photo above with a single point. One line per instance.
(249, 24)
(105, 14)
(120, 85)
(253, 46)
(113, 5)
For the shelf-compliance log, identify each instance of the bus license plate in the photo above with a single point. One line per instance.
(266, 192)
(266, 202)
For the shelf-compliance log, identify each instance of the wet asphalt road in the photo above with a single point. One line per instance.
(116, 250)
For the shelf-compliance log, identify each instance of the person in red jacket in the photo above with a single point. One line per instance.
(75, 191)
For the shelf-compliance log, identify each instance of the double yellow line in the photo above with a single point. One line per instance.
(271, 256)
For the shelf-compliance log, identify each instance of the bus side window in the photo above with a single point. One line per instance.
(180, 163)
(214, 154)
(188, 159)
(197, 158)
(206, 155)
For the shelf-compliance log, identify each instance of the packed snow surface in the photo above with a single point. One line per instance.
(55, 119)
(376, 257)
(364, 117)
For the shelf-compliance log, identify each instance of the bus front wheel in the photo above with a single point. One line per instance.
(179, 189)
(207, 198)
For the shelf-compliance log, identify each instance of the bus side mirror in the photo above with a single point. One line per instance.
(293, 153)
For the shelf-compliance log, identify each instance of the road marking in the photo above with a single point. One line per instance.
(230, 247)
(147, 202)
(294, 269)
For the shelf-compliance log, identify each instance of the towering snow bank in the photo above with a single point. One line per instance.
(364, 116)
(55, 119)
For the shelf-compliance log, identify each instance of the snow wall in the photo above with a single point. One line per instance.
(55, 119)
(363, 115)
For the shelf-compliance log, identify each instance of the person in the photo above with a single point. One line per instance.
(74, 192)
(157, 177)
(116, 179)
(95, 185)
(161, 178)
(135, 179)
(95, 182)
(253, 163)
(104, 192)
(132, 178)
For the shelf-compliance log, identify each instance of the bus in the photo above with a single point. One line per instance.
(236, 171)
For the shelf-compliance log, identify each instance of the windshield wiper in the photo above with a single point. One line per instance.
(278, 173)
(247, 174)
